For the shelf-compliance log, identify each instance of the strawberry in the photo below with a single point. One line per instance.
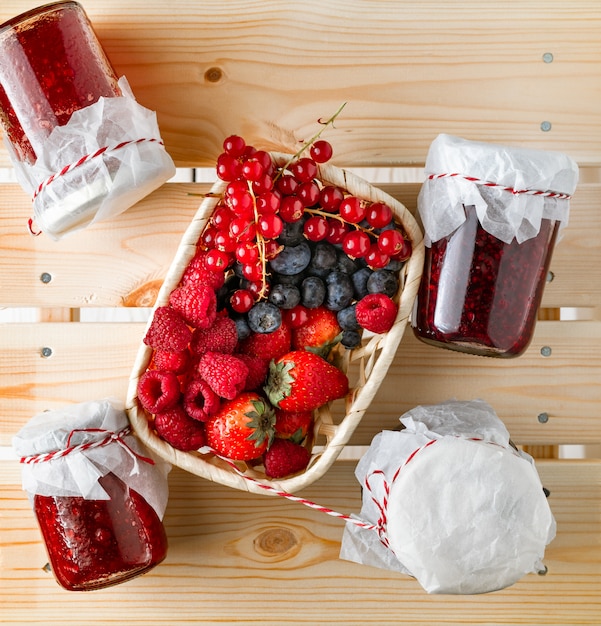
(319, 334)
(242, 429)
(285, 457)
(294, 425)
(267, 345)
(303, 381)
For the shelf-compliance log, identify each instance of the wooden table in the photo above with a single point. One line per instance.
(268, 70)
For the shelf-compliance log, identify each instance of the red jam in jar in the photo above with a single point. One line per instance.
(479, 294)
(52, 65)
(93, 544)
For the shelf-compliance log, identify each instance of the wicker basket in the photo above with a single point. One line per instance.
(369, 362)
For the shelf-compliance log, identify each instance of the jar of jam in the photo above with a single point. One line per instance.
(78, 140)
(491, 217)
(97, 496)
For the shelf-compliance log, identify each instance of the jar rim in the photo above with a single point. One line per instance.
(37, 11)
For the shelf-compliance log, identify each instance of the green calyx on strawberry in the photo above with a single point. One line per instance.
(319, 334)
(304, 381)
(243, 428)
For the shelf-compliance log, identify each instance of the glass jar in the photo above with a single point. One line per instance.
(481, 295)
(491, 216)
(80, 144)
(92, 544)
(97, 496)
(52, 65)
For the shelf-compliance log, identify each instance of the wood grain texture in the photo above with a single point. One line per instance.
(408, 71)
(236, 558)
(94, 360)
(122, 262)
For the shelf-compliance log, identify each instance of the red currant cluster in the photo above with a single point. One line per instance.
(261, 198)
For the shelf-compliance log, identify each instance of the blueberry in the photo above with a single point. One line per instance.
(394, 265)
(324, 257)
(313, 292)
(292, 234)
(292, 259)
(242, 327)
(359, 279)
(339, 291)
(264, 317)
(383, 281)
(350, 339)
(284, 296)
(282, 279)
(346, 264)
(347, 318)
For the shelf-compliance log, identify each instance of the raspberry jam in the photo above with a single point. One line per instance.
(52, 65)
(481, 295)
(93, 544)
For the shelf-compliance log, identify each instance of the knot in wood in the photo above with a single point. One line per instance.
(276, 542)
(213, 75)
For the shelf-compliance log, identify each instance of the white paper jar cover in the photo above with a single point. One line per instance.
(457, 506)
(505, 184)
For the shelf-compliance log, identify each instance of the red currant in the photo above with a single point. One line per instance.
(217, 260)
(378, 215)
(391, 242)
(242, 204)
(270, 226)
(242, 300)
(268, 202)
(252, 170)
(253, 272)
(356, 244)
(321, 151)
(287, 184)
(316, 228)
(208, 237)
(222, 217)
(224, 241)
(263, 185)
(242, 229)
(291, 209)
(304, 169)
(405, 252)
(247, 253)
(308, 193)
(228, 167)
(264, 158)
(330, 198)
(234, 145)
(272, 249)
(296, 316)
(375, 258)
(257, 287)
(337, 232)
(352, 209)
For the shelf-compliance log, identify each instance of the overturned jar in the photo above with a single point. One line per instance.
(97, 495)
(491, 216)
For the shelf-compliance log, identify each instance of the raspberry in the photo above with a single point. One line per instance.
(376, 312)
(225, 373)
(158, 390)
(176, 362)
(285, 457)
(221, 336)
(167, 331)
(196, 273)
(197, 304)
(200, 401)
(257, 371)
(178, 429)
(268, 345)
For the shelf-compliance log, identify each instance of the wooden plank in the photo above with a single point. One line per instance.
(407, 70)
(122, 262)
(564, 388)
(278, 563)
(94, 360)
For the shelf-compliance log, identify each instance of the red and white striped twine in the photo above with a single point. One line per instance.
(379, 526)
(110, 437)
(88, 157)
(486, 183)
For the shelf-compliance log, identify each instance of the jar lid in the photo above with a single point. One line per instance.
(511, 188)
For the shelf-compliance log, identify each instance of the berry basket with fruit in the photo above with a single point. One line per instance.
(277, 321)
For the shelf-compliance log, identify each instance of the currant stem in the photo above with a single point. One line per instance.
(311, 141)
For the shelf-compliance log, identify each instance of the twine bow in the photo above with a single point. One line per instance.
(111, 437)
